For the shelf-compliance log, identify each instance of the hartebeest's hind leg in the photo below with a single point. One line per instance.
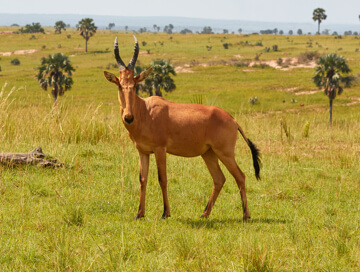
(144, 170)
(229, 161)
(218, 177)
(160, 155)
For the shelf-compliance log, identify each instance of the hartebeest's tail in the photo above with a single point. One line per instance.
(254, 152)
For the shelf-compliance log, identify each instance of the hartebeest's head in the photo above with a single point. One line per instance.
(127, 82)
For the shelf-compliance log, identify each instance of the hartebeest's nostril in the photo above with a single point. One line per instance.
(129, 119)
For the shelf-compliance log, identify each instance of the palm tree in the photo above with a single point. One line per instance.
(330, 72)
(55, 71)
(159, 79)
(87, 29)
(58, 26)
(319, 15)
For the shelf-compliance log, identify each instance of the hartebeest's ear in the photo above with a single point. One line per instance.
(143, 75)
(112, 78)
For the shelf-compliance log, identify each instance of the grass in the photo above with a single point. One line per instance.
(305, 211)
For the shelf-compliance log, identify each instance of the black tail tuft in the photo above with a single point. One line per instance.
(256, 159)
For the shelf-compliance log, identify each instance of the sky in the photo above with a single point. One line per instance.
(338, 12)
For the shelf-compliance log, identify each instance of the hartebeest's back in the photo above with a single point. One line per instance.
(157, 126)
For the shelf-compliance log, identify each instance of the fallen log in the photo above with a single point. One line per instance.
(35, 157)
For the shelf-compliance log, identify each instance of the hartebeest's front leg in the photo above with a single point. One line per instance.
(160, 155)
(144, 170)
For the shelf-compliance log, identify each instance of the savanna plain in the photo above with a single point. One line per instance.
(305, 212)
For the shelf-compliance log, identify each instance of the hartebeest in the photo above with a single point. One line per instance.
(157, 126)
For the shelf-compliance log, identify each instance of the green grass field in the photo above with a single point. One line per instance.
(305, 211)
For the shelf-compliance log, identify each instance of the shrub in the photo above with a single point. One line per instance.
(308, 56)
(306, 128)
(74, 216)
(68, 36)
(226, 45)
(144, 43)
(253, 100)
(15, 62)
(275, 48)
(279, 61)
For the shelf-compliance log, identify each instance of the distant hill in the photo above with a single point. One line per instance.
(179, 23)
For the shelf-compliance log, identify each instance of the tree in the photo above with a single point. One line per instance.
(275, 31)
(291, 32)
(240, 30)
(186, 30)
(58, 26)
(111, 25)
(169, 29)
(126, 28)
(155, 27)
(225, 31)
(299, 32)
(87, 29)
(33, 28)
(159, 79)
(319, 15)
(332, 71)
(207, 30)
(55, 71)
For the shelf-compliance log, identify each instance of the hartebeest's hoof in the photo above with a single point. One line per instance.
(138, 216)
(164, 216)
(204, 215)
(246, 218)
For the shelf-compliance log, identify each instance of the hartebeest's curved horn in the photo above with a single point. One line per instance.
(117, 56)
(134, 58)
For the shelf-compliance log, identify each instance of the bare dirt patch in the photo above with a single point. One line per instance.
(289, 63)
(356, 100)
(180, 70)
(308, 92)
(19, 52)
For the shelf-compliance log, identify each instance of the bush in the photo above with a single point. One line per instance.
(34, 28)
(306, 129)
(253, 100)
(68, 36)
(308, 56)
(275, 48)
(15, 62)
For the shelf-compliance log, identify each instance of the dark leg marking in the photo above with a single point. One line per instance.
(206, 207)
(164, 213)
